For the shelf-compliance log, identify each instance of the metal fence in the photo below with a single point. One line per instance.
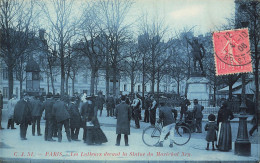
(209, 108)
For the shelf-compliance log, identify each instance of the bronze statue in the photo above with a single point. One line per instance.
(198, 53)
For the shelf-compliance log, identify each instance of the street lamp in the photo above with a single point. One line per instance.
(242, 143)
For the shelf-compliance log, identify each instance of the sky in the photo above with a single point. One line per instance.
(205, 15)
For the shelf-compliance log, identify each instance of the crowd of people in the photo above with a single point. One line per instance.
(77, 112)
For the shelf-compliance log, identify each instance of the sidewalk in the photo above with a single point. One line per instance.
(35, 149)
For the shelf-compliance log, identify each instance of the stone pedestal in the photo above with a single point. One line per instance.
(242, 143)
(198, 88)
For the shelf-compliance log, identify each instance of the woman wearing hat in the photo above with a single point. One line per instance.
(94, 134)
(224, 135)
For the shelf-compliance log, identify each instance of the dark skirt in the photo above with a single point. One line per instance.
(95, 136)
(225, 137)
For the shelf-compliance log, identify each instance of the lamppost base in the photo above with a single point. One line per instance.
(242, 143)
(243, 148)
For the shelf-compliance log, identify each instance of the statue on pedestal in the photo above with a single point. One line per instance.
(198, 53)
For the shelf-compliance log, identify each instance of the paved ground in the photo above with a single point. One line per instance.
(35, 149)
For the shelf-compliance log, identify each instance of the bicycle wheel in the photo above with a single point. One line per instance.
(151, 135)
(182, 135)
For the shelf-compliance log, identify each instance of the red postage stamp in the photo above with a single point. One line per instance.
(232, 52)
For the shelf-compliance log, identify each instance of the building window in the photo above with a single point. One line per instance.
(139, 88)
(5, 92)
(5, 74)
(125, 87)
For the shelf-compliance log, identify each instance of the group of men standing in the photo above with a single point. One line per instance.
(58, 113)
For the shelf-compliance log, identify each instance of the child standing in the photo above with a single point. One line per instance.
(211, 128)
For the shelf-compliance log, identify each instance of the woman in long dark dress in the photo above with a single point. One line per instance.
(224, 134)
(94, 134)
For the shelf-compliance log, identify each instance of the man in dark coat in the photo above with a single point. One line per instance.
(146, 107)
(197, 111)
(75, 119)
(23, 115)
(184, 106)
(100, 102)
(49, 117)
(36, 115)
(110, 105)
(123, 114)
(1, 107)
(153, 108)
(165, 116)
(62, 115)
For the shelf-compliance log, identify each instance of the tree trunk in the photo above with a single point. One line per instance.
(214, 94)
(230, 92)
(107, 74)
(178, 86)
(158, 85)
(10, 82)
(62, 75)
(92, 81)
(21, 87)
(257, 88)
(153, 83)
(114, 81)
(67, 83)
(52, 80)
(132, 82)
(143, 84)
(48, 83)
(73, 83)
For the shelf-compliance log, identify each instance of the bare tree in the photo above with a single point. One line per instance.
(62, 29)
(16, 34)
(92, 42)
(112, 16)
(132, 63)
(154, 30)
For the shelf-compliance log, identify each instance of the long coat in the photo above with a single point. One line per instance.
(94, 134)
(198, 111)
(75, 119)
(123, 114)
(11, 104)
(211, 128)
(225, 133)
(48, 107)
(99, 103)
(110, 103)
(23, 112)
(1, 101)
(60, 110)
(36, 107)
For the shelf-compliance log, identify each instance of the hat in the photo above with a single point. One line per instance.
(89, 97)
(123, 97)
(225, 104)
(72, 98)
(211, 117)
(195, 101)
